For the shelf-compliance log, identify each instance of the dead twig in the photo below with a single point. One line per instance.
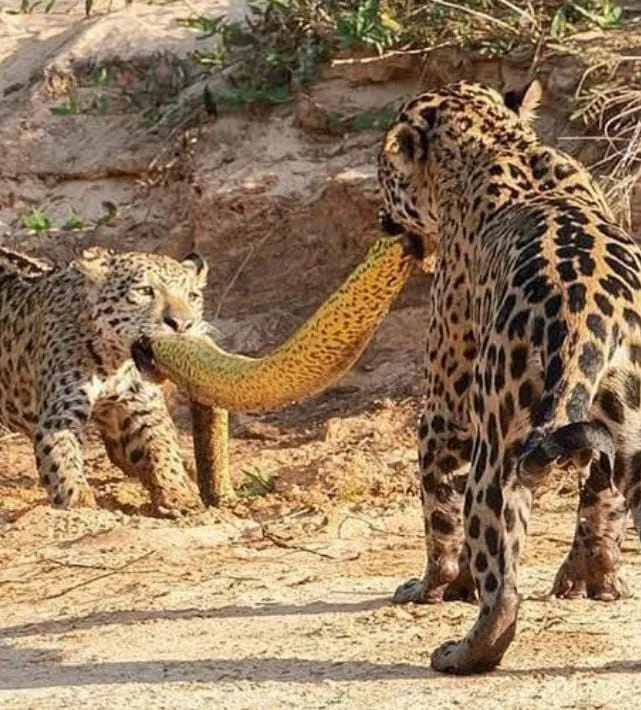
(110, 573)
(250, 252)
(350, 61)
(475, 13)
(373, 528)
(77, 565)
(279, 542)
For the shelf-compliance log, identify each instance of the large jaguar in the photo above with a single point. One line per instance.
(534, 356)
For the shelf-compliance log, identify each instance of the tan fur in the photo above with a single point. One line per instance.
(65, 342)
(533, 358)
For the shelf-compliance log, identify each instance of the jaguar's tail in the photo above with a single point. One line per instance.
(579, 441)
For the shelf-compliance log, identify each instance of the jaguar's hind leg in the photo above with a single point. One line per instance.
(496, 514)
(443, 459)
(591, 568)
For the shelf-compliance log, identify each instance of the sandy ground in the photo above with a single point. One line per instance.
(282, 601)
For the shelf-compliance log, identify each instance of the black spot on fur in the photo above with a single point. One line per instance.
(576, 298)
(604, 304)
(505, 312)
(461, 385)
(526, 394)
(561, 172)
(481, 561)
(481, 462)
(510, 518)
(591, 361)
(475, 527)
(632, 319)
(616, 288)
(518, 324)
(632, 391)
(538, 331)
(467, 507)
(441, 523)
(624, 273)
(528, 271)
(491, 583)
(493, 438)
(557, 333)
(518, 363)
(566, 271)
(578, 403)
(494, 498)
(596, 324)
(612, 406)
(552, 306)
(635, 354)
(537, 290)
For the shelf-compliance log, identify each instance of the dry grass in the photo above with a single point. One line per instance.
(613, 112)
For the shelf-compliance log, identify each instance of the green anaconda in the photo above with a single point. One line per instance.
(315, 356)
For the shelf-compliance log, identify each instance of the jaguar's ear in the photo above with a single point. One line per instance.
(407, 143)
(195, 262)
(94, 263)
(525, 101)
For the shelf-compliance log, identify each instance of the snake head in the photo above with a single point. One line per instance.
(143, 356)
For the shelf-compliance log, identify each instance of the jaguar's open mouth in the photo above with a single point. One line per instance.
(143, 356)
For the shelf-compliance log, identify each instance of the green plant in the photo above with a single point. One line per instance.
(111, 211)
(256, 483)
(26, 7)
(238, 95)
(100, 74)
(99, 103)
(603, 13)
(37, 219)
(373, 120)
(65, 108)
(282, 45)
(366, 24)
(74, 221)
(208, 25)
(151, 119)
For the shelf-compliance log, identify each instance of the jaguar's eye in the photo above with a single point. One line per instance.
(194, 296)
(146, 291)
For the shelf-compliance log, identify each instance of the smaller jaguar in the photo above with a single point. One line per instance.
(66, 335)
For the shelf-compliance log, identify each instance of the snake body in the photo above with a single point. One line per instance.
(315, 356)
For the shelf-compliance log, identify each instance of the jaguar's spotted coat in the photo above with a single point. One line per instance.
(534, 356)
(65, 340)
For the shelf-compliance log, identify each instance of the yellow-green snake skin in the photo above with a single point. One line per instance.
(315, 356)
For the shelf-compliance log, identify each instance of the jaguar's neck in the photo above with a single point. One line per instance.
(476, 192)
